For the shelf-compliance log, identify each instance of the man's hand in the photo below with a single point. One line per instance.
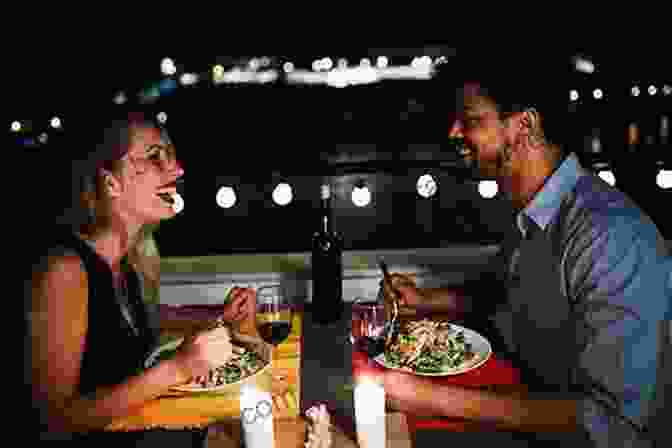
(241, 305)
(443, 299)
(404, 284)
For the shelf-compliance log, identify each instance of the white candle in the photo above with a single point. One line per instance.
(256, 415)
(370, 414)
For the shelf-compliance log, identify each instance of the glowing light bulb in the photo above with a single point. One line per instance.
(664, 179)
(218, 73)
(178, 203)
(573, 95)
(120, 98)
(188, 79)
(168, 67)
(381, 61)
(288, 67)
(608, 177)
(226, 197)
(361, 196)
(426, 186)
(488, 188)
(282, 194)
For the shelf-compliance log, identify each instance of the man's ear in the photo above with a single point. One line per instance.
(530, 125)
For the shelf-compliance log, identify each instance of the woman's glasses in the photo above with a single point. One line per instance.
(157, 155)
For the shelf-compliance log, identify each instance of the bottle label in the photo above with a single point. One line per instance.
(633, 134)
(325, 192)
(664, 127)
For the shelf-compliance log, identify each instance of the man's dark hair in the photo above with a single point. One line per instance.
(515, 85)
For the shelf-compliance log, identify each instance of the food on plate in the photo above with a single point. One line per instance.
(427, 346)
(238, 367)
(246, 361)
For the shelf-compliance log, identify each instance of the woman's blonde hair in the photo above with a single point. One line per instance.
(145, 259)
(95, 204)
(106, 159)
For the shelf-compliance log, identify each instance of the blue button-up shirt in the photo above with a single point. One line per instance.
(589, 286)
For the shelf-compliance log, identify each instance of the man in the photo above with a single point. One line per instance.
(586, 284)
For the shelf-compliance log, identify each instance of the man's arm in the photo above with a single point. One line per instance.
(512, 409)
(478, 294)
(617, 276)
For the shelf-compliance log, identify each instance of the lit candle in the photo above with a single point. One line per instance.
(370, 413)
(256, 415)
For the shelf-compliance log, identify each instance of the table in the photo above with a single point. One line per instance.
(220, 413)
(324, 357)
(185, 411)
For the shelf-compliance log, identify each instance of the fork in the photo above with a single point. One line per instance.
(392, 329)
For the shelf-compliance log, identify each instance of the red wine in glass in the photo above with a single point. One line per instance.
(274, 332)
(274, 315)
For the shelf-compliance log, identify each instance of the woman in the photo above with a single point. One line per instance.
(88, 330)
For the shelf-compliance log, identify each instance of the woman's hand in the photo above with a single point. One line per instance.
(241, 305)
(204, 351)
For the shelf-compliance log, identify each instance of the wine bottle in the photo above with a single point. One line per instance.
(327, 266)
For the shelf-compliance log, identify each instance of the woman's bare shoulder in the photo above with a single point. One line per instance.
(59, 270)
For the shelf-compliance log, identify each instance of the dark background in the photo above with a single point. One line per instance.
(385, 134)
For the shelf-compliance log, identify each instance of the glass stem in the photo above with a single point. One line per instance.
(274, 361)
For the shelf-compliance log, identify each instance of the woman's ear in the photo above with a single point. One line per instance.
(110, 183)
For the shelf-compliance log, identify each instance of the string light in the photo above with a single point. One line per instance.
(664, 179)
(226, 197)
(608, 177)
(426, 186)
(168, 67)
(282, 194)
(488, 189)
(361, 195)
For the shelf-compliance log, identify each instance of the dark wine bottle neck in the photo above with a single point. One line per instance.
(327, 224)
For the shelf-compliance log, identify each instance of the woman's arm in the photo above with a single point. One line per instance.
(57, 334)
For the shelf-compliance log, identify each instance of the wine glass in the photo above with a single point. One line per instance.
(274, 316)
(368, 323)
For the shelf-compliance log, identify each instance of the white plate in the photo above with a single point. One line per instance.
(260, 347)
(479, 345)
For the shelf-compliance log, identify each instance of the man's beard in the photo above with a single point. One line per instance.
(490, 169)
(503, 156)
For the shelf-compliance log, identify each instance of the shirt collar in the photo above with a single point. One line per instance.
(547, 201)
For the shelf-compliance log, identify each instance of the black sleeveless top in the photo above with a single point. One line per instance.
(114, 350)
